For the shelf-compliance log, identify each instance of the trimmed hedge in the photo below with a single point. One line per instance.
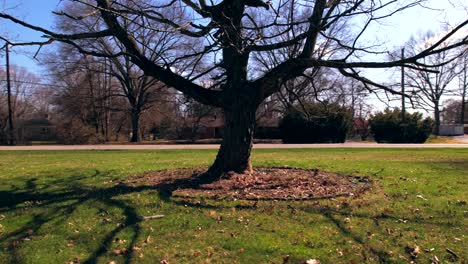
(388, 127)
(318, 123)
(262, 132)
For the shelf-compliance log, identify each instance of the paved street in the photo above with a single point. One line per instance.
(215, 146)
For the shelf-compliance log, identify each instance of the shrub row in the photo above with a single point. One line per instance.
(330, 123)
(316, 123)
(389, 127)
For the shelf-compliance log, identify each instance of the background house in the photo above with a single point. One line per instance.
(38, 128)
(466, 116)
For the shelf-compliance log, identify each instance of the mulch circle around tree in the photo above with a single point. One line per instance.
(263, 184)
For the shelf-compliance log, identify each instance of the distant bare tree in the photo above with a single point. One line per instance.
(451, 112)
(26, 102)
(140, 91)
(463, 83)
(430, 87)
(86, 92)
(23, 84)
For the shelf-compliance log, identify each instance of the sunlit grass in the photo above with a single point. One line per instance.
(65, 206)
(442, 140)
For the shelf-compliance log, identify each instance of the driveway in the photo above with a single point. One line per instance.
(216, 146)
(463, 138)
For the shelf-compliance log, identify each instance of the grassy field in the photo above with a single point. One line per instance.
(67, 207)
(442, 140)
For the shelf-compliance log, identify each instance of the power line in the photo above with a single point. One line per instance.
(36, 83)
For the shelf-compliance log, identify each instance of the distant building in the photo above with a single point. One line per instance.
(466, 114)
(36, 129)
(213, 127)
(206, 127)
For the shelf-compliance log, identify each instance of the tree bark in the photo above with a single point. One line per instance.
(463, 107)
(235, 149)
(437, 119)
(135, 126)
(464, 90)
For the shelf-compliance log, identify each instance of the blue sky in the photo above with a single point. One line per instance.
(396, 30)
(394, 33)
(34, 11)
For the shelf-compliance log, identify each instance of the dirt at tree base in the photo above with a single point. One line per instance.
(278, 183)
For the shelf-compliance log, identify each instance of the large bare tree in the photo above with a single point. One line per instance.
(23, 85)
(140, 90)
(463, 83)
(229, 34)
(430, 87)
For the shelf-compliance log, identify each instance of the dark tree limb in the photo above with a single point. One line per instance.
(209, 97)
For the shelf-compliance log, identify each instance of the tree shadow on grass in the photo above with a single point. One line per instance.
(460, 165)
(58, 199)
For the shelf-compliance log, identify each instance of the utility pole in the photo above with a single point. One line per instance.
(464, 88)
(11, 140)
(403, 110)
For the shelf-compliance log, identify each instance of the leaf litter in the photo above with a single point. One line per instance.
(278, 183)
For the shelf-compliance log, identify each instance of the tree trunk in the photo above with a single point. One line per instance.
(463, 106)
(437, 119)
(135, 126)
(234, 153)
(462, 114)
(464, 90)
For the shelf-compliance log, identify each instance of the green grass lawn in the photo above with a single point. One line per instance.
(442, 140)
(67, 207)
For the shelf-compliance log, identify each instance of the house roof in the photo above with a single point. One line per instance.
(35, 122)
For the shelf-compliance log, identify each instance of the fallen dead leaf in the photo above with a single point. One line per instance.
(71, 244)
(421, 197)
(74, 261)
(120, 241)
(429, 249)
(148, 240)
(413, 251)
(122, 251)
